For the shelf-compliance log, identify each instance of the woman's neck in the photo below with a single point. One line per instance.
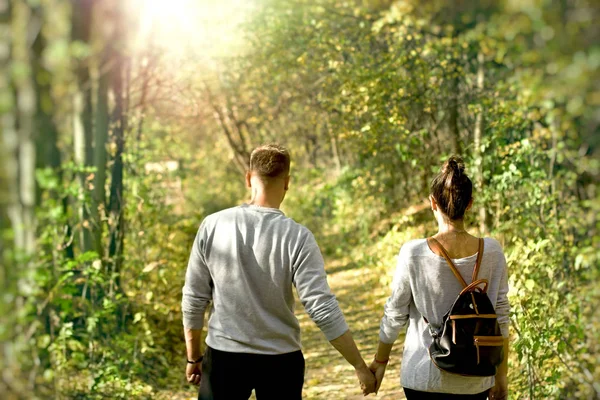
(457, 226)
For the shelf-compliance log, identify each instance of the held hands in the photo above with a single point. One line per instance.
(378, 369)
(193, 373)
(366, 378)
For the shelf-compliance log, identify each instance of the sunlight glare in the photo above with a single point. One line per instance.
(200, 28)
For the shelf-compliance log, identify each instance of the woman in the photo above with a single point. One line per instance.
(424, 288)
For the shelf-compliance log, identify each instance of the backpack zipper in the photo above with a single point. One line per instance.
(487, 341)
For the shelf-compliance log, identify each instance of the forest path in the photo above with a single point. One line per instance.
(361, 292)
(361, 281)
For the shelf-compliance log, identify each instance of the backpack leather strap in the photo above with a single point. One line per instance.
(478, 262)
(434, 244)
(475, 286)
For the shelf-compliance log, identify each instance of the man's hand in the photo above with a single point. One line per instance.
(378, 369)
(193, 347)
(193, 373)
(366, 378)
(500, 389)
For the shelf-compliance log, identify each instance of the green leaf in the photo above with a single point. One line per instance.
(530, 284)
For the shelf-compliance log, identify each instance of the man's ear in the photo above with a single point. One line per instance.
(286, 183)
(248, 179)
(469, 205)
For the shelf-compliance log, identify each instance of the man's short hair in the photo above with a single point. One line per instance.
(270, 161)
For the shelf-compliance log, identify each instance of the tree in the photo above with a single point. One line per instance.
(98, 199)
(82, 114)
(477, 144)
(119, 127)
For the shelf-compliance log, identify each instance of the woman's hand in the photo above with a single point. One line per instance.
(366, 378)
(500, 389)
(380, 361)
(378, 369)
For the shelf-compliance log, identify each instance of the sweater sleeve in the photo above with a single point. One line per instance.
(197, 291)
(396, 310)
(313, 290)
(502, 304)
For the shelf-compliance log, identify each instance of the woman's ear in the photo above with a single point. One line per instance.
(469, 205)
(433, 203)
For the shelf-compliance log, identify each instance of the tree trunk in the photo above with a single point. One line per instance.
(119, 127)
(26, 102)
(100, 140)
(48, 154)
(335, 154)
(241, 154)
(478, 151)
(143, 100)
(47, 151)
(10, 207)
(9, 201)
(82, 115)
(18, 164)
(453, 119)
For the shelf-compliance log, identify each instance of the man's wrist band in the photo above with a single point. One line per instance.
(195, 362)
(380, 362)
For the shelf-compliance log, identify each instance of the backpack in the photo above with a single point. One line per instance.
(469, 341)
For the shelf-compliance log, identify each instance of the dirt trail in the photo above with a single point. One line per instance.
(361, 296)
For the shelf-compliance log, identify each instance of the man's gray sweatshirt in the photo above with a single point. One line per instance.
(244, 261)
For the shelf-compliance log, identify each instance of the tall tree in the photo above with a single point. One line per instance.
(82, 113)
(9, 201)
(23, 214)
(8, 138)
(101, 114)
(119, 119)
(48, 153)
(18, 109)
(477, 143)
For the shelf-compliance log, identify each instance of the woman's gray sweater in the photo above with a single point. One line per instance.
(424, 285)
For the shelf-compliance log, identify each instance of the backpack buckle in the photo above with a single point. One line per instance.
(434, 334)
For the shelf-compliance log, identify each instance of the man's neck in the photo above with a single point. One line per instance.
(264, 200)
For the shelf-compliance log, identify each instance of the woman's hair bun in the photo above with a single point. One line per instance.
(454, 165)
(452, 188)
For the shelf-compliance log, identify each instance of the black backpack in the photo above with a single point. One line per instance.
(469, 341)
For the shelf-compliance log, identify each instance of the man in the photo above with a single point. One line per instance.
(245, 260)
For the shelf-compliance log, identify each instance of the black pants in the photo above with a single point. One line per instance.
(417, 395)
(232, 376)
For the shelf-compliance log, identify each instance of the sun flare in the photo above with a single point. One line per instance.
(200, 27)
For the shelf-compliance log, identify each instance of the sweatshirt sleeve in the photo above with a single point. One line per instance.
(502, 304)
(396, 310)
(315, 295)
(197, 291)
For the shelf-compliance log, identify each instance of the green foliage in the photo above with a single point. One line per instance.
(388, 86)
(370, 96)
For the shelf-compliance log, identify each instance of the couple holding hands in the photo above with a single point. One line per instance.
(246, 260)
